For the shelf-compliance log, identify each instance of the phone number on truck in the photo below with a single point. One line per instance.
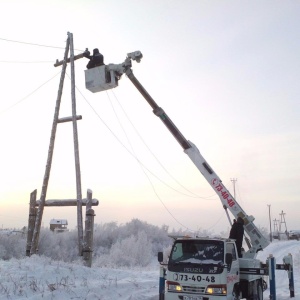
(199, 278)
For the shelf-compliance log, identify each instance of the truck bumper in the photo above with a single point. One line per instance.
(181, 296)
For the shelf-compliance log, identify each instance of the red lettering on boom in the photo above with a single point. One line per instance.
(218, 186)
(230, 202)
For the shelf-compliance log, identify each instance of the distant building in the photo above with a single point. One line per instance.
(58, 225)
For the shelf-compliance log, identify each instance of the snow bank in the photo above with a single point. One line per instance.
(40, 277)
(279, 249)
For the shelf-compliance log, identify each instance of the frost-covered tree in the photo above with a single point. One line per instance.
(135, 250)
(105, 236)
(135, 243)
(59, 246)
(12, 246)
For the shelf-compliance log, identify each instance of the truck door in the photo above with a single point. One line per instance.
(233, 276)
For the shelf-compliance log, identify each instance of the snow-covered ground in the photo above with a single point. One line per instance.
(42, 278)
(279, 249)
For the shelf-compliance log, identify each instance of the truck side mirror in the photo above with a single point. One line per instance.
(228, 260)
(160, 257)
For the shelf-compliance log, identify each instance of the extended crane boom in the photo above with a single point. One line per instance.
(258, 241)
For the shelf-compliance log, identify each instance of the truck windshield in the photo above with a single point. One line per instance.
(197, 252)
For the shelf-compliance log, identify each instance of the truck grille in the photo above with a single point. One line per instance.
(193, 289)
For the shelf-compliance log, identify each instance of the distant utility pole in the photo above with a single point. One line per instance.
(282, 221)
(276, 229)
(269, 205)
(233, 180)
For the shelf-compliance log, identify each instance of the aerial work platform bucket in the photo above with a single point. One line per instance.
(100, 79)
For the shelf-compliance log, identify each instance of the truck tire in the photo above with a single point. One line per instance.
(255, 291)
(236, 294)
(265, 285)
(259, 291)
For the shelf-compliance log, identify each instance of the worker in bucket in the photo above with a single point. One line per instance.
(96, 59)
(237, 233)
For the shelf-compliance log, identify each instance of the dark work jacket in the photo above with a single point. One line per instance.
(237, 233)
(95, 61)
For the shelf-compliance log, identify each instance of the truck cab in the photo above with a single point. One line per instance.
(202, 269)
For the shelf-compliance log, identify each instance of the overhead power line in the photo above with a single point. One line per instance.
(18, 102)
(35, 44)
(143, 141)
(25, 62)
(144, 167)
(136, 158)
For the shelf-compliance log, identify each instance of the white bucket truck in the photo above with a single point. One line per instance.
(198, 268)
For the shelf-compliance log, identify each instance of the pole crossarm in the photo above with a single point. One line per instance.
(78, 56)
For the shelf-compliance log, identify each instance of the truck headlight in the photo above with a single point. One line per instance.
(216, 289)
(174, 286)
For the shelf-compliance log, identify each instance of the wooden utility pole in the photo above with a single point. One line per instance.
(282, 221)
(76, 149)
(271, 238)
(35, 215)
(233, 180)
(276, 229)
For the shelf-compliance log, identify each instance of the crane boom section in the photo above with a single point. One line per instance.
(258, 241)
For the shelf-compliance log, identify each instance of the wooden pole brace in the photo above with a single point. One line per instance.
(38, 220)
(89, 231)
(67, 202)
(31, 221)
(68, 119)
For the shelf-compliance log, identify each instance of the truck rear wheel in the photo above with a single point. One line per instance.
(259, 290)
(255, 290)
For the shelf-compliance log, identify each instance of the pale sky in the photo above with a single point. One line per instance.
(226, 72)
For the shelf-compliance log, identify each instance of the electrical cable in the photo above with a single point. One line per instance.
(24, 62)
(122, 144)
(137, 159)
(195, 195)
(222, 215)
(143, 169)
(34, 44)
(133, 156)
(24, 98)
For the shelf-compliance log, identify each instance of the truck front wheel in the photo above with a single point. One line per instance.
(236, 293)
